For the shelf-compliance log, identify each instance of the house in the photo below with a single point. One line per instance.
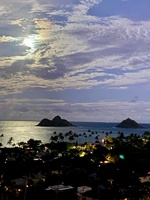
(60, 192)
(84, 192)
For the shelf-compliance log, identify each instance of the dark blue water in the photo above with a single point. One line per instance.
(25, 130)
(96, 125)
(111, 126)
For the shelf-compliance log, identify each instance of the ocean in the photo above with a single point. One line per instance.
(22, 131)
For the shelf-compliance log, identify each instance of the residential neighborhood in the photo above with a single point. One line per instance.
(114, 169)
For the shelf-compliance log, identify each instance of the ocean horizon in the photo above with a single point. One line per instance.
(22, 131)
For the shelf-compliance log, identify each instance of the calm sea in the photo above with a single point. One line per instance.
(25, 130)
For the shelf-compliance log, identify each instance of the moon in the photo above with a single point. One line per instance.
(28, 42)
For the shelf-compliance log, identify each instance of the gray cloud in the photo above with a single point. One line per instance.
(72, 49)
(96, 111)
(16, 67)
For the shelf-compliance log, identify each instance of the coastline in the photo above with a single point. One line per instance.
(25, 130)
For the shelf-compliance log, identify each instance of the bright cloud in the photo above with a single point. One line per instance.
(73, 47)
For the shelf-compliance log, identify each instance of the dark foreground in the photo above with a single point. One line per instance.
(118, 168)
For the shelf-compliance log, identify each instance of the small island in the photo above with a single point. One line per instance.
(55, 122)
(129, 123)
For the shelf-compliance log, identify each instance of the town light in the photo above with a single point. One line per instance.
(121, 157)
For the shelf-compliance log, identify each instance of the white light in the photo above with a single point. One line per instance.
(28, 41)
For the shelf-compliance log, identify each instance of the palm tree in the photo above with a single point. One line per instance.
(1, 136)
(135, 140)
(10, 141)
(96, 138)
(21, 144)
(121, 135)
(61, 137)
(71, 137)
(54, 138)
(34, 143)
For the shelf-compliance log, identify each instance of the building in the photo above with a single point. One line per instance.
(60, 192)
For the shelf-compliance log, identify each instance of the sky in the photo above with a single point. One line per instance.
(84, 60)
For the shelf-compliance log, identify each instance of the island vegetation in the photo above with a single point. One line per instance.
(114, 168)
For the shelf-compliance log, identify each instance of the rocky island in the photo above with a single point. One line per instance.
(129, 123)
(55, 122)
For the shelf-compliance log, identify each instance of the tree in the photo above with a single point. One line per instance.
(54, 138)
(33, 143)
(1, 137)
(10, 141)
(71, 137)
(61, 137)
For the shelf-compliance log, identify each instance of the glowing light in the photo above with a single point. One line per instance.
(122, 157)
(82, 154)
(28, 41)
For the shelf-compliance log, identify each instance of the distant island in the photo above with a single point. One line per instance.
(55, 122)
(129, 123)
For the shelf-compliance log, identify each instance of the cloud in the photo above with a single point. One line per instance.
(73, 49)
(33, 108)
(111, 111)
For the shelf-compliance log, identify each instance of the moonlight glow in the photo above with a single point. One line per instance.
(28, 42)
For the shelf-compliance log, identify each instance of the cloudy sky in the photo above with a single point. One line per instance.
(85, 60)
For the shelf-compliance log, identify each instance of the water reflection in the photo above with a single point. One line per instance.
(24, 130)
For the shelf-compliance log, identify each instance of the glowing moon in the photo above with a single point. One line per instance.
(28, 42)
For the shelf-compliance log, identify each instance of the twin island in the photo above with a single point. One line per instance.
(55, 122)
(59, 122)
